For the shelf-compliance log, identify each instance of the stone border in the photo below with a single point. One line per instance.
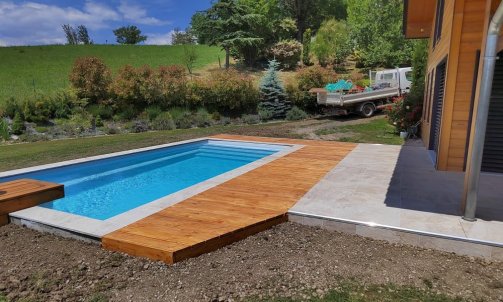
(94, 228)
(458, 245)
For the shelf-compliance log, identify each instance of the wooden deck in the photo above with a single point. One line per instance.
(24, 193)
(240, 207)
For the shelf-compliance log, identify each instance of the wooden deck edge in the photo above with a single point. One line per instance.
(28, 201)
(4, 220)
(136, 250)
(228, 238)
(198, 249)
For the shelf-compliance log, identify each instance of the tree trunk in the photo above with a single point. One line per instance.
(227, 58)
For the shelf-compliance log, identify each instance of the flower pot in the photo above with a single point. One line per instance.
(404, 134)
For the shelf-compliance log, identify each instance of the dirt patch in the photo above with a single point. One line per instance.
(288, 260)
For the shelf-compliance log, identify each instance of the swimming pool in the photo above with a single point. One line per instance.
(101, 189)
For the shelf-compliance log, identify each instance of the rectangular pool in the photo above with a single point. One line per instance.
(101, 189)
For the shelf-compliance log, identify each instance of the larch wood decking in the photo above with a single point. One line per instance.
(24, 193)
(233, 210)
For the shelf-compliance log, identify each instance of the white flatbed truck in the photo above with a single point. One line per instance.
(366, 103)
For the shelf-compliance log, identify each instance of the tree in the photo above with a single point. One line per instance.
(306, 47)
(376, 29)
(18, 124)
(83, 35)
(301, 11)
(311, 13)
(419, 62)
(189, 57)
(71, 35)
(331, 44)
(179, 37)
(129, 35)
(273, 98)
(230, 25)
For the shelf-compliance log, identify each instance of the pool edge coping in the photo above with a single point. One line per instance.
(98, 228)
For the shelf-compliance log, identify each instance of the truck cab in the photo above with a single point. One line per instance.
(399, 77)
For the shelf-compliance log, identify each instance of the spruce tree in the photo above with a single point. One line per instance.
(18, 124)
(273, 97)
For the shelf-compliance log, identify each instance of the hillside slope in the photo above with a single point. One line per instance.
(27, 70)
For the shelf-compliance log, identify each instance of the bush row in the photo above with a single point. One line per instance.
(135, 88)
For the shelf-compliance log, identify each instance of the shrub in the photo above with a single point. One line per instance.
(250, 118)
(302, 99)
(163, 121)
(202, 118)
(139, 126)
(152, 112)
(98, 122)
(173, 85)
(91, 78)
(296, 114)
(403, 113)
(10, 107)
(76, 124)
(102, 111)
(314, 77)
(4, 130)
(37, 111)
(228, 91)
(265, 114)
(136, 86)
(63, 103)
(18, 124)
(331, 44)
(127, 113)
(287, 53)
(182, 117)
(272, 93)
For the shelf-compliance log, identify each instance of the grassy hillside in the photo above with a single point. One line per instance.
(29, 69)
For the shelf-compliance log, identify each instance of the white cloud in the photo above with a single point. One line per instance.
(29, 23)
(159, 39)
(137, 14)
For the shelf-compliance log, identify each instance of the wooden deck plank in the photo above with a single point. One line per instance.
(233, 210)
(24, 193)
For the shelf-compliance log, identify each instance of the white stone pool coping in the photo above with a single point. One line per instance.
(95, 228)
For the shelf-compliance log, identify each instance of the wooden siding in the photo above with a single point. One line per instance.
(436, 54)
(462, 36)
(233, 210)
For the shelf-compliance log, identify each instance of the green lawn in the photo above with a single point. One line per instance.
(377, 131)
(25, 70)
(30, 154)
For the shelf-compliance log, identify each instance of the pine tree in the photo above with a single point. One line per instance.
(18, 124)
(272, 93)
(306, 47)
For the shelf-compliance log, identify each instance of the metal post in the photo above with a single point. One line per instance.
(477, 143)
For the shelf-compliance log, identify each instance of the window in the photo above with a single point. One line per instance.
(439, 17)
(387, 76)
(408, 75)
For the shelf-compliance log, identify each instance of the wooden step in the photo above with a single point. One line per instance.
(25, 193)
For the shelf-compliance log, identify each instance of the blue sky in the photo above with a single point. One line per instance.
(38, 22)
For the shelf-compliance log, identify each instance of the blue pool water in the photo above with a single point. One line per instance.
(104, 188)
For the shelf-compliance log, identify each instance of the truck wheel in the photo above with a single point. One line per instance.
(368, 110)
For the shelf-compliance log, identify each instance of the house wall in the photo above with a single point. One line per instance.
(466, 19)
(436, 54)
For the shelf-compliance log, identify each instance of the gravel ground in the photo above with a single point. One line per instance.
(289, 260)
